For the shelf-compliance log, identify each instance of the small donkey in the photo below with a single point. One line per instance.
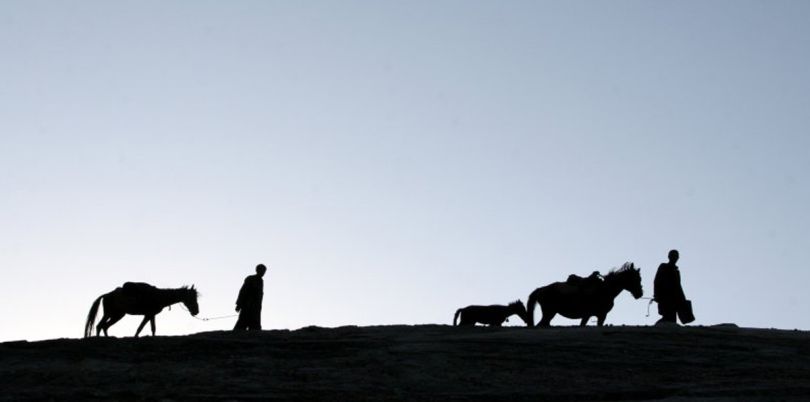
(493, 315)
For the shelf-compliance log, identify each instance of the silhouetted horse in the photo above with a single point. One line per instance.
(585, 298)
(493, 315)
(138, 299)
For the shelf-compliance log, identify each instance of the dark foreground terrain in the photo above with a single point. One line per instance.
(418, 363)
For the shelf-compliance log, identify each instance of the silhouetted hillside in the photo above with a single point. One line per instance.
(418, 363)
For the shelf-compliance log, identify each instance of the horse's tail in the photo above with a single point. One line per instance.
(534, 298)
(455, 317)
(91, 317)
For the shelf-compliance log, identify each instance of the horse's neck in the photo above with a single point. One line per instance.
(612, 286)
(167, 297)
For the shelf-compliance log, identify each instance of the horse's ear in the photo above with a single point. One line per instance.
(192, 287)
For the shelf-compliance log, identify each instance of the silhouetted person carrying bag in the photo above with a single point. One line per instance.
(249, 302)
(672, 303)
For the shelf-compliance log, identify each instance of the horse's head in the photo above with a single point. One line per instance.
(518, 308)
(628, 277)
(190, 300)
(632, 280)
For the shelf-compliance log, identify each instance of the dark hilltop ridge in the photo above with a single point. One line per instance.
(425, 362)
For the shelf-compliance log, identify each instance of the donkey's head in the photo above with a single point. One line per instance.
(519, 309)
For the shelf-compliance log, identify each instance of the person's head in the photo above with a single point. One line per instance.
(673, 256)
(261, 269)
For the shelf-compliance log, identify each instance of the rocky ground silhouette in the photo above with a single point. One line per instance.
(425, 362)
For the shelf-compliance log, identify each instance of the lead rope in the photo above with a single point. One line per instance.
(649, 304)
(210, 318)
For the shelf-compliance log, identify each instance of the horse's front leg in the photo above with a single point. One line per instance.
(600, 319)
(140, 327)
(152, 322)
(584, 321)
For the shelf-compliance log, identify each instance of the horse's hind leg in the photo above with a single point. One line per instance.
(152, 322)
(548, 314)
(110, 321)
(102, 325)
(584, 321)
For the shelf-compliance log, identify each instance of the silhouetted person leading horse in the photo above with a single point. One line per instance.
(668, 291)
(249, 302)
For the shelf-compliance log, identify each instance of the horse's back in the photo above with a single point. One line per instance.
(137, 286)
(559, 288)
(584, 288)
(491, 307)
(138, 289)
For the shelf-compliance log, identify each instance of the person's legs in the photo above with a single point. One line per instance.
(668, 313)
(241, 323)
(256, 320)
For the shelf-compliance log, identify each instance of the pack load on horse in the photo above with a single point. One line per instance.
(138, 299)
(494, 315)
(584, 298)
(593, 278)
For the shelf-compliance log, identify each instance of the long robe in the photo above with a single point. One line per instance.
(249, 302)
(668, 292)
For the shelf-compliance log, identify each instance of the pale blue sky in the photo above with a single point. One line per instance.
(393, 161)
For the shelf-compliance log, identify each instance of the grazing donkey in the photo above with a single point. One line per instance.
(493, 315)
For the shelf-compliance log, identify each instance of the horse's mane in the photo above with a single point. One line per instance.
(192, 289)
(627, 266)
(515, 303)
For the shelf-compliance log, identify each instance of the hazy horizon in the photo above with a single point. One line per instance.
(392, 162)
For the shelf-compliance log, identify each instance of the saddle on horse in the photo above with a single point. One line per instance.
(138, 287)
(137, 290)
(593, 279)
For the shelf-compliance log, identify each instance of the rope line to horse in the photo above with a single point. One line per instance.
(214, 318)
(210, 318)
(649, 304)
